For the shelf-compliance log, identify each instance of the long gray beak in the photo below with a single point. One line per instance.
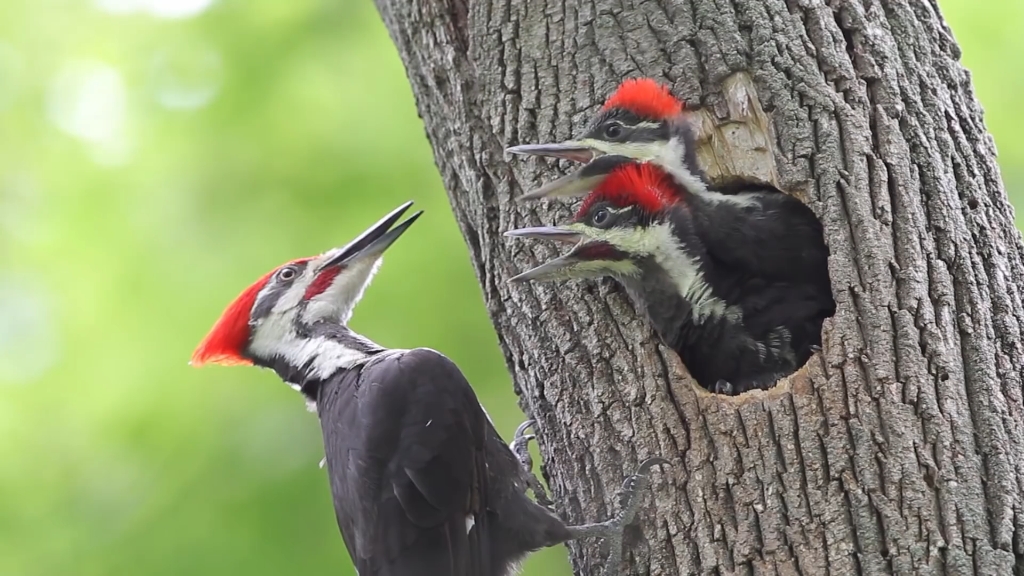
(581, 182)
(565, 187)
(376, 239)
(555, 269)
(587, 259)
(558, 268)
(569, 150)
(546, 233)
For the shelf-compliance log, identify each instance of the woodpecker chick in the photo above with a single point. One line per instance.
(734, 329)
(640, 120)
(421, 481)
(759, 228)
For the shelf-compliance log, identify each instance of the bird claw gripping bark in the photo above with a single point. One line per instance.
(614, 530)
(520, 446)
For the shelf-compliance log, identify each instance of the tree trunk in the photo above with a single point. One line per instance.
(900, 448)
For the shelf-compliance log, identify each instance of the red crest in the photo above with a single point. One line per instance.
(227, 339)
(646, 98)
(635, 184)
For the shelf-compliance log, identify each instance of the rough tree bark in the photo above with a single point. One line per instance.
(900, 449)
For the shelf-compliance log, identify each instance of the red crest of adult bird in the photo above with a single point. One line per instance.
(718, 287)
(421, 481)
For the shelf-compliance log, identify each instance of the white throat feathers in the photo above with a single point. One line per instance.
(285, 333)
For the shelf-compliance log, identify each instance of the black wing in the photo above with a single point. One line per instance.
(800, 309)
(778, 239)
(404, 438)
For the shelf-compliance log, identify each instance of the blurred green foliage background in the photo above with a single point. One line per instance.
(156, 156)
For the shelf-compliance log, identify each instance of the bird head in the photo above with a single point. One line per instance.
(640, 121)
(628, 218)
(288, 314)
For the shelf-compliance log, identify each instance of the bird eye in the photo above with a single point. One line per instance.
(601, 217)
(287, 273)
(612, 130)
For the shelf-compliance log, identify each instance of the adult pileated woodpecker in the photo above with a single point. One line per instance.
(422, 483)
(759, 228)
(735, 328)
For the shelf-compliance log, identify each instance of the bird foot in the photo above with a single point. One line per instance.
(614, 530)
(815, 348)
(520, 446)
(737, 388)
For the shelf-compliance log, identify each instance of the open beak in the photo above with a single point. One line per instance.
(589, 258)
(560, 268)
(346, 272)
(569, 186)
(581, 182)
(375, 240)
(573, 150)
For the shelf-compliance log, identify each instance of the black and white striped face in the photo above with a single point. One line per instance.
(323, 290)
(610, 240)
(278, 287)
(618, 135)
(299, 296)
(605, 215)
(313, 290)
(619, 131)
(293, 319)
(615, 132)
(669, 143)
(633, 246)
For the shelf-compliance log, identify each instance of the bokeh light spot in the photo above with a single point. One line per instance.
(158, 8)
(87, 99)
(28, 336)
(186, 76)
